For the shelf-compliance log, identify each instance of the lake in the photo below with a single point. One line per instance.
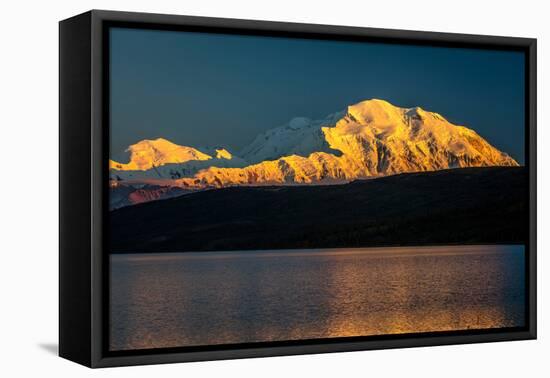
(204, 298)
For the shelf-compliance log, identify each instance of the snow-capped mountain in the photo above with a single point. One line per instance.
(369, 139)
(372, 138)
(161, 159)
(154, 153)
(301, 136)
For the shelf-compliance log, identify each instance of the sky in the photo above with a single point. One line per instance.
(201, 89)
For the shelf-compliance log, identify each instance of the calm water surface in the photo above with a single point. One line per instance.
(184, 299)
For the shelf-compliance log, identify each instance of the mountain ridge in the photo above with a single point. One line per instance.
(371, 138)
(374, 138)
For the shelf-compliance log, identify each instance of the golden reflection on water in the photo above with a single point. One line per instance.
(421, 321)
(187, 299)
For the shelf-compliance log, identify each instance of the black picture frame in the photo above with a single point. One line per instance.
(83, 122)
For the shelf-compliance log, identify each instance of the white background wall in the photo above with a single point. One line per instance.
(28, 174)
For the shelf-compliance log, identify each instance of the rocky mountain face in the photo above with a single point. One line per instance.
(370, 139)
(121, 195)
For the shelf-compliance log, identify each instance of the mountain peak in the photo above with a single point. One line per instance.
(373, 110)
(299, 122)
(373, 102)
(147, 154)
(160, 142)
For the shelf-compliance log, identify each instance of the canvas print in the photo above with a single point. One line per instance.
(269, 189)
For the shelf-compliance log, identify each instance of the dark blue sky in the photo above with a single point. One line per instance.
(201, 89)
